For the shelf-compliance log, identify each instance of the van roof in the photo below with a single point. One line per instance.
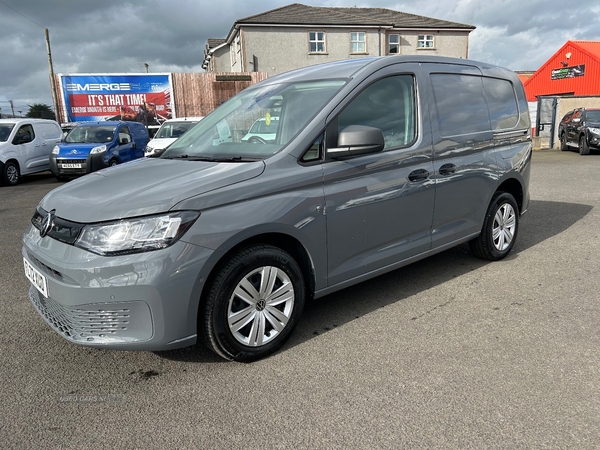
(26, 119)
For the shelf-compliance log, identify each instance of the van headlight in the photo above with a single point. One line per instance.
(141, 234)
(56, 150)
(99, 149)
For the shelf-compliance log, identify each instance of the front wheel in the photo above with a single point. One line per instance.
(584, 148)
(113, 162)
(500, 228)
(563, 142)
(11, 174)
(253, 304)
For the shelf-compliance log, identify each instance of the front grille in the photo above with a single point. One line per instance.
(71, 161)
(61, 230)
(78, 324)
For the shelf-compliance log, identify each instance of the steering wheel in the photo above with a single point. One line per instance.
(256, 140)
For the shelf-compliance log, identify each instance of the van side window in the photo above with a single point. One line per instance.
(314, 151)
(460, 104)
(124, 135)
(502, 103)
(387, 104)
(25, 130)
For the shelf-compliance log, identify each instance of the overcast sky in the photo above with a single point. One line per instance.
(119, 36)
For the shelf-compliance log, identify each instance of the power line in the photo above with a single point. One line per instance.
(31, 20)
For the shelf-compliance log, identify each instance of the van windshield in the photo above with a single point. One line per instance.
(256, 123)
(173, 129)
(87, 134)
(5, 129)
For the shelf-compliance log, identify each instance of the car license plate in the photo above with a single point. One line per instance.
(36, 278)
(70, 166)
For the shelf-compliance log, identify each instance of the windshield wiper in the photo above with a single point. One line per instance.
(237, 159)
(211, 159)
(191, 158)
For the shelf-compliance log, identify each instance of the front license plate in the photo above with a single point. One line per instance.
(36, 278)
(70, 166)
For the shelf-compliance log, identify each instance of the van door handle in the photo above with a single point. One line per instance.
(447, 169)
(418, 175)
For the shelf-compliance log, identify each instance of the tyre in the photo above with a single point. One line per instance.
(584, 149)
(253, 304)
(500, 228)
(10, 173)
(563, 142)
(113, 162)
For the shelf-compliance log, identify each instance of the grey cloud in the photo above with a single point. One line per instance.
(122, 35)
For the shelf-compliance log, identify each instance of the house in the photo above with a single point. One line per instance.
(298, 35)
(574, 70)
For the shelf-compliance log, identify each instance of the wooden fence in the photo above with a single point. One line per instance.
(197, 94)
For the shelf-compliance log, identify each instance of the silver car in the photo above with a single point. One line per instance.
(375, 163)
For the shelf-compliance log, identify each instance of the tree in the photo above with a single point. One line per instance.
(40, 111)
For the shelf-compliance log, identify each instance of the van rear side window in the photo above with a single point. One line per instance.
(460, 104)
(502, 103)
(471, 104)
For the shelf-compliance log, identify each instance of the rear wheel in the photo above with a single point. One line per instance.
(11, 174)
(584, 149)
(563, 142)
(500, 228)
(253, 304)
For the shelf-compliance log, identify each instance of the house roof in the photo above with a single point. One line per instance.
(298, 14)
(212, 42)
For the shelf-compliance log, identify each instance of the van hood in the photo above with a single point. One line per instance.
(141, 187)
(77, 150)
(161, 143)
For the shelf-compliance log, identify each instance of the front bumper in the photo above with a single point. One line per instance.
(594, 141)
(87, 164)
(145, 301)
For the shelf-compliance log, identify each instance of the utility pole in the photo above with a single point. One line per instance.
(52, 83)
(12, 107)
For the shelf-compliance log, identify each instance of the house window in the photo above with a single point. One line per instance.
(393, 44)
(425, 41)
(358, 42)
(316, 40)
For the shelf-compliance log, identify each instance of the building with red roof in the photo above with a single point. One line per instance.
(574, 70)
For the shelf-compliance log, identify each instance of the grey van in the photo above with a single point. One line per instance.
(375, 163)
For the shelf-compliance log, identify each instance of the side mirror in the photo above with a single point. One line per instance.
(123, 141)
(357, 140)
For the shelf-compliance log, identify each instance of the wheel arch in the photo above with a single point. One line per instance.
(514, 188)
(280, 240)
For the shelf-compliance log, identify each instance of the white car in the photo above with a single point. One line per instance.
(262, 131)
(168, 133)
(25, 146)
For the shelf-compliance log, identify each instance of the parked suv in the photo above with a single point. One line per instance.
(92, 146)
(25, 145)
(375, 163)
(580, 129)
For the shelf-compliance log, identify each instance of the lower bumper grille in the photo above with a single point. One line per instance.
(95, 323)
